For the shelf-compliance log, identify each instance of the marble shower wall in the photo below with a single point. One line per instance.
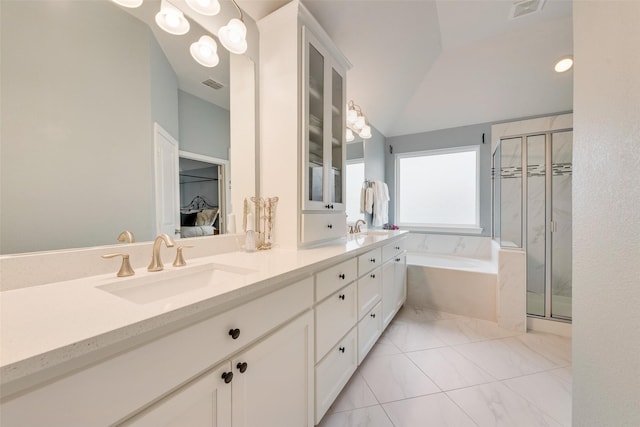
(446, 244)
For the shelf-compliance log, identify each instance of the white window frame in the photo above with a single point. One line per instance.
(442, 228)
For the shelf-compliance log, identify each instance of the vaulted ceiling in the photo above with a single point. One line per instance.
(422, 65)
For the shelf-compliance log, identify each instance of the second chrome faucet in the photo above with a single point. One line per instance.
(156, 262)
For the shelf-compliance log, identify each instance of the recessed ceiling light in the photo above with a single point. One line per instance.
(564, 64)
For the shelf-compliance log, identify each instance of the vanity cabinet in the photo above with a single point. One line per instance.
(394, 287)
(239, 392)
(303, 125)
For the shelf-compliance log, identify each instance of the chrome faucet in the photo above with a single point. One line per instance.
(126, 236)
(357, 225)
(156, 262)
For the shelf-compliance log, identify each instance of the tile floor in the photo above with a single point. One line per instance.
(439, 369)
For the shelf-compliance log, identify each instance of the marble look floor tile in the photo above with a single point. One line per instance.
(495, 404)
(553, 347)
(395, 377)
(565, 374)
(372, 416)
(383, 348)
(433, 410)
(356, 394)
(414, 336)
(449, 369)
(551, 393)
(410, 313)
(506, 358)
(465, 330)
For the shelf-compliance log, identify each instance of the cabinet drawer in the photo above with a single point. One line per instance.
(334, 371)
(369, 261)
(132, 379)
(369, 291)
(393, 249)
(369, 330)
(318, 227)
(334, 317)
(334, 278)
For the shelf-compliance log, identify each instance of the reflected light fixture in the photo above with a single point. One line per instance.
(172, 20)
(205, 51)
(350, 136)
(563, 64)
(233, 36)
(205, 7)
(357, 122)
(128, 3)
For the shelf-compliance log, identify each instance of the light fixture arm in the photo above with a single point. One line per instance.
(239, 10)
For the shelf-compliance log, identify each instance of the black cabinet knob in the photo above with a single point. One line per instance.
(397, 259)
(235, 333)
(397, 248)
(373, 315)
(242, 367)
(372, 260)
(342, 276)
(328, 206)
(227, 377)
(341, 349)
(341, 296)
(330, 226)
(373, 276)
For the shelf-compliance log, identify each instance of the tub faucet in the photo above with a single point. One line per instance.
(126, 236)
(156, 262)
(357, 226)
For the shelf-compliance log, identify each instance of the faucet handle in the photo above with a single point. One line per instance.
(125, 267)
(179, 261)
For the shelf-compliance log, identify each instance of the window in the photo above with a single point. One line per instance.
(438, 189)
(355, 179)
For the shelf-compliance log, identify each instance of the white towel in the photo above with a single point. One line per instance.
(380, 204)
(368, 200)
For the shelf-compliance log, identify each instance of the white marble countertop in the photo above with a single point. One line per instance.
(51, 325)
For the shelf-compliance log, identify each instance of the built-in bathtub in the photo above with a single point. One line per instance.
(461, 282)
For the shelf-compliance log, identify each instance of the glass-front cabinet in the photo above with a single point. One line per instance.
(324, 129)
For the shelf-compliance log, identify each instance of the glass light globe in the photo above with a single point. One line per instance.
(172, 20)
(205, 51)
(352, 116)
(359, 123)
(365, 133)
(350, 136)
(128, 3)
(232, 36)
(205, 7)
(563, 65)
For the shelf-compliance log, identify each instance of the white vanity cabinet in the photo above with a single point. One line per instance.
(115, 389)
(303, 125)
(394, 287)
(240, 392)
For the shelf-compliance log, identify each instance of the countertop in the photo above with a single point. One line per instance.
(45, 328)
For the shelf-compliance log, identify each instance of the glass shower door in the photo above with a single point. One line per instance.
(561, 238)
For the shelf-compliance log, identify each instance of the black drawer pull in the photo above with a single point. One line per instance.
(372, 260)
(397, 248)
(328, 206)
(341, 349)
(342, 276)
(373, 276)
(397, 259)
(341, 296)
(227, 377)
(242, 367)
(373, 315)
(330, 226)
(235, 333)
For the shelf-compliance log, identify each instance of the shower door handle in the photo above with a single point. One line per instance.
(553, 225)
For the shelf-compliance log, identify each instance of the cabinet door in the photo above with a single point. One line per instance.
(389, 292)
(336, 142)
(400, 285)
(273, 380)
(205, 402)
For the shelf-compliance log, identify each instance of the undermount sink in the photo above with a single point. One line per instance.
(156, 286)
(376, 232)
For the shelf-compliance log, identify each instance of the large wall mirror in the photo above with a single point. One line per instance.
(82, 85)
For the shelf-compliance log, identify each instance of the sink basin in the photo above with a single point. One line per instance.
(376, 233)
(156, 286)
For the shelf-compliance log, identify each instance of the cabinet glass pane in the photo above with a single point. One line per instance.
(536, 221)
(337, 137)
(511, 192)
(315, 121)
(561, 159)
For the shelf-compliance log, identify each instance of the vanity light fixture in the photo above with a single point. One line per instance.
(350, 136)
(205, 7)
(172, 20)
(357, 122)
(128, 3)
(205, 51)
(233, 36)
(564, 64)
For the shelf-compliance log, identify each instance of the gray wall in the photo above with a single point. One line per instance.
(446, 138)
(204, 127)
(76, 142)
(164, 91)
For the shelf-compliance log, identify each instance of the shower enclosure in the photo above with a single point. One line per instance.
(531, 177)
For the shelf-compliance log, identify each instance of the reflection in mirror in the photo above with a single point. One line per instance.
(82, 85)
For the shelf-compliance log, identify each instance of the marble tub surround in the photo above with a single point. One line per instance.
(511, 292)
(445, 244)
(484, 375)
(51, 329)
